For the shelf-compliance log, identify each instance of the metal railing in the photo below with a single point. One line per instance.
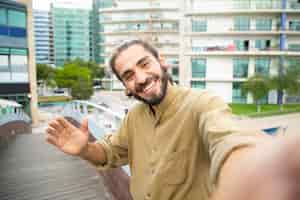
(13, 114)
(101, 120)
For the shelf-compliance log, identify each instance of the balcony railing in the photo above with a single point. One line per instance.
(258, 5)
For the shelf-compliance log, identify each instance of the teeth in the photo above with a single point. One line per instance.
(149, 86)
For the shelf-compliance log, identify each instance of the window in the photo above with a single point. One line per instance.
(242, 23)
(198, 84)
(263, 24)
(237, 95)
(17, 18)
(198, 68)
(294, 25)
(264, 4)
(175, 72)
(199, 25)
(19, 63)
(294, 47)
(262, 44)
(241, 45)
(3, 16)
(240, 67)
(4, 67)
(262, 66)
(294, 63)
(241, 4)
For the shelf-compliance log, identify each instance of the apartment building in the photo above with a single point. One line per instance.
(17, 57)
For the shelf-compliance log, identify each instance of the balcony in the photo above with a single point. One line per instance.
(221, 8)
(244, 30)
(232, 50)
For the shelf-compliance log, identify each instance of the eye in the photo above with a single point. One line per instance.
(145, 64)
(128, 76)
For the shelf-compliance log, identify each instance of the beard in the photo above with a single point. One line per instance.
(156, 99)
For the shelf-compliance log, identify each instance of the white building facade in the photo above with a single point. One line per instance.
(212, 45)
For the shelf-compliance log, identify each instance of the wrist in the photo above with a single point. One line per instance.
(84, 151)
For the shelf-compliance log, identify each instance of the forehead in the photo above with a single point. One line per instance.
(129, 57)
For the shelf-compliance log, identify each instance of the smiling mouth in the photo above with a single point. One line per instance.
(149, 86)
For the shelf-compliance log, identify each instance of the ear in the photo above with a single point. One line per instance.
(163, 63)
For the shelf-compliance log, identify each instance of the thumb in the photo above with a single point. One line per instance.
(84, 126)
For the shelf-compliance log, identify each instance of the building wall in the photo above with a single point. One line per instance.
(154, 21)
(71, 32)
(215, 40)
(17, 75)
(43, 44)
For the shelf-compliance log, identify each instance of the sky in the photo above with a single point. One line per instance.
(45, 4)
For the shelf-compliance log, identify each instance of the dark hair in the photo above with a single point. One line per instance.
(148, 47)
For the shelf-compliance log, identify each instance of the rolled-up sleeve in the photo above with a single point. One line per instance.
(221, 135)
(115, 146)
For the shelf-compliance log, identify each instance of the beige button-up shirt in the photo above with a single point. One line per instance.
(175, 150)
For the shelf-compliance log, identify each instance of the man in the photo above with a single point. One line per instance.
(179, 143)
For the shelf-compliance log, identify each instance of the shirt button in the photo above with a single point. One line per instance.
(148, 196)
(152, 171)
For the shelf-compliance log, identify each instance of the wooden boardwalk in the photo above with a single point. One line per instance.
(31, 169)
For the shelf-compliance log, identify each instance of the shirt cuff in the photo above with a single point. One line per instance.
(108, 153)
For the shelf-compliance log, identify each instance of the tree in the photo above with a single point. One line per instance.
(77, 78)
(258, 86)
(287, 82)
(96, 70)
(45, 73)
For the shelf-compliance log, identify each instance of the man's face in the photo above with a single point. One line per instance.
(142, 74)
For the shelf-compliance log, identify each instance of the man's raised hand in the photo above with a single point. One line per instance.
(66, 137)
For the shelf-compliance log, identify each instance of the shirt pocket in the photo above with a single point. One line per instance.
(174, 169)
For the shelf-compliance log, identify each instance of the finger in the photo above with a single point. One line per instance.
(84, 126)
(52, 140)
(52, 132)
(56, 125)
(62, 121)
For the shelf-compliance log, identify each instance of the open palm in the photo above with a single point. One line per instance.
(67, 137)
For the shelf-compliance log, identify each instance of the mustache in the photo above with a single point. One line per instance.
(139, 87)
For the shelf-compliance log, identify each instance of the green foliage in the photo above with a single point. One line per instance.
(96, 71)
(258, 86)
(45, 73)
(288, 82)
(76, 77)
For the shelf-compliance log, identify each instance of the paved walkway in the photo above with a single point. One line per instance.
(291, 121)
(32, 170)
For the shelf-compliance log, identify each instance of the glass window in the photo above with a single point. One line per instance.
(198, 84)
(4, 63)
(198, 68)
(242, 23)
(240, 67)
(241, 45)
(237, 95)
(294, 47)
(18, 52)
(19, 63)
(263, 24)
(262, 44)
(4, 51)
(262, 66)
(294, 25)
(241, 4)
(199, 25)
(3, 16)
(175, 72)
(17, 18)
